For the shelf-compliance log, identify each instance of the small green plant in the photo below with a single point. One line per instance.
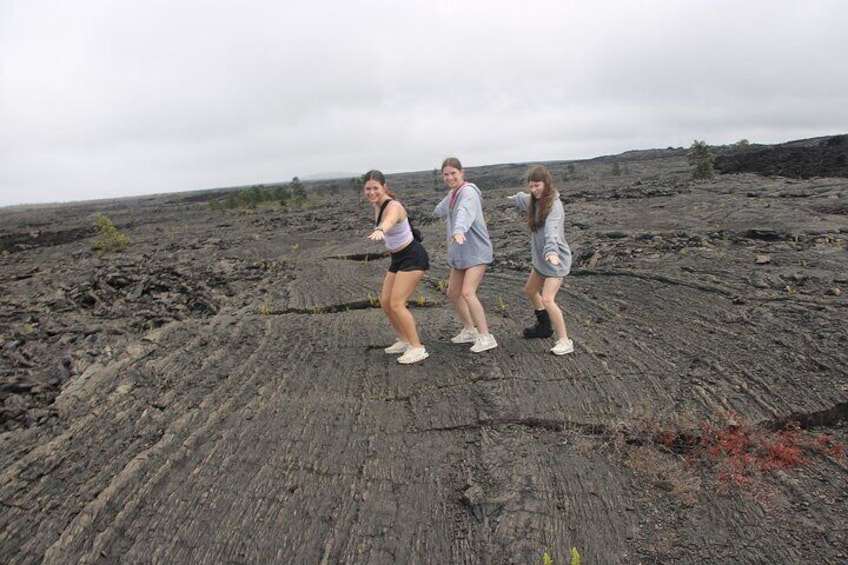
(109, 239)
(295, 246)
(374, 301)
(442, 285)
(264, 310)
(421, 300)
(575, 558)
(501, 304)
(701, 159)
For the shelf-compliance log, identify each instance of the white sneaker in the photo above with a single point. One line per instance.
(466, 336)
(562, 347)
(483, 343)
(413, 355)
(397, 347)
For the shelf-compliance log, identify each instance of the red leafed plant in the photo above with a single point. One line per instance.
(739, 453)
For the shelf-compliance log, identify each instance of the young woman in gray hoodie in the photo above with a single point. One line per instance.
(469, 252)
(545, 216)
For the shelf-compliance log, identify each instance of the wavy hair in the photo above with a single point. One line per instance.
(539, 208)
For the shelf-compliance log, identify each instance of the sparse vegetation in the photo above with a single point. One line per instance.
(256, 195)
(109, 239)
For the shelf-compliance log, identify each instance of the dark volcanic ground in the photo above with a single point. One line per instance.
(218, 392)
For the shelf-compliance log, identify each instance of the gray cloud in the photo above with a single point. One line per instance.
(104, 99)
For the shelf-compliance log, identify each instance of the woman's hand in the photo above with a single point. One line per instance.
(376, 235)
(459, 238)
(553, 259)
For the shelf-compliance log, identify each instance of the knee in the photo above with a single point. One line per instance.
(529, 291)
(549, 302)
(469, 294)
(396, 305)
(386, 305)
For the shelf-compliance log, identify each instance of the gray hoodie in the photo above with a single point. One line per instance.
(549, 240)
(466, 217)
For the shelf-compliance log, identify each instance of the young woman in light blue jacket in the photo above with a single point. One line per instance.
(469, 252)
(551, 256)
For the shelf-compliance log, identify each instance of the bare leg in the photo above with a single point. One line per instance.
(533, 289)
(470, 282)
(404, 285)
(386, 301)
(457, 277)
(549, 291)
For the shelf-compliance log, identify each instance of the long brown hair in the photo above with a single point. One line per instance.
(539, 208)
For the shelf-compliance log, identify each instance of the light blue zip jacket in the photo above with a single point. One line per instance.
(466, 216)
(549, 240)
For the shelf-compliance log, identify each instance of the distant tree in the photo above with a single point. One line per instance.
(255, 196)
(297, 189)
(616, 169)
(569, 173)
(701, 159)
(356, 183)
(742, 145)
(282, 194)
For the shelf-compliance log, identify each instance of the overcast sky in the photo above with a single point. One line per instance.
(110, 98)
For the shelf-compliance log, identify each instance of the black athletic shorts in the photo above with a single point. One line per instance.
(413, 257)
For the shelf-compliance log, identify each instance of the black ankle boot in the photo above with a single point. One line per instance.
(542, 328)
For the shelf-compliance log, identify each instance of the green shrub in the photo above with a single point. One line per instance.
(109, 239)
(701, 159)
